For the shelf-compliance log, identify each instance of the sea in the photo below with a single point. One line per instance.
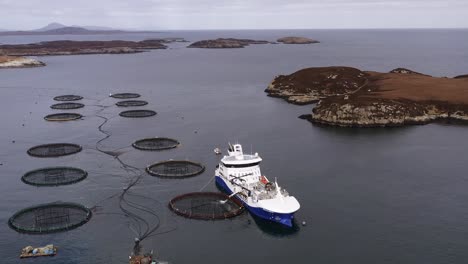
(367, 195)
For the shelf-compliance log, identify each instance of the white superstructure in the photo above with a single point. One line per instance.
(239, 174)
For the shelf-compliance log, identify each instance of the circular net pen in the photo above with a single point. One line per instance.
(206, 206)
(63, 117)
(137, 113)
(125, 95)
(68, 97)
(50, 218)
(176, 169)
(54, 176)
(66, 106)
(158, 143)
(54, 150)
(130, 103)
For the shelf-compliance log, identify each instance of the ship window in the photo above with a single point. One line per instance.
(241, 165)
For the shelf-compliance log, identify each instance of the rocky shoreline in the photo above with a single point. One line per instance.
(349, 97)
(226, 43)
(19, 62)
(297, 40)
(69, 47)
(233, 43)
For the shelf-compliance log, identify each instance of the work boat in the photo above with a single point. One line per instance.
(239, 175)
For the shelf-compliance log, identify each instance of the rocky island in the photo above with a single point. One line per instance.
(297, 40)
(225, 43)
(350, 97)
(69, 47)
(18, 62)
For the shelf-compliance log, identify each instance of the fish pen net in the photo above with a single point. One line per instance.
(66, 106)
(54, 150)
(130, 103)
(54, 176)
(159, 143)
(206, 206)
(68, 97)
(137, 113)
(125, 95)
(63, 117)
(49, 218)
(175, 169)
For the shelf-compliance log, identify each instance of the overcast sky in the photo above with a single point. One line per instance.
(236, 14)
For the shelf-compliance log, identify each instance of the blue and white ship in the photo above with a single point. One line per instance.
(239, 175)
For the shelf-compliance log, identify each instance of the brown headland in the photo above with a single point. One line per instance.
(350, 97)
(69, 47)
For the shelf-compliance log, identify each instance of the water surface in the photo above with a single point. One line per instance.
(368, 195)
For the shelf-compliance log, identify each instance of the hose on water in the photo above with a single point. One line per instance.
(143, 228)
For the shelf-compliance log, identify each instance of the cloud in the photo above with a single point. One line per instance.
(200, 14)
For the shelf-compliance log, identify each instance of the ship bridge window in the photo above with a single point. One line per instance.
(241, 165)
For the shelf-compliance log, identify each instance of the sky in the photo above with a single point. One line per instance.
(235, 14)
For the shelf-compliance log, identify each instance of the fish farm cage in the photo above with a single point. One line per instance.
(50, 218)
(66, 106)
(137, 113)
(157, 143)
(63, 117)
(54, 150)
(68, 97)
(175, 169)
(206, 206)
(125, 95)
(54, 176)
(130, 103)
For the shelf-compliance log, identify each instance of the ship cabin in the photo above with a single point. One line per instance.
(240, 166)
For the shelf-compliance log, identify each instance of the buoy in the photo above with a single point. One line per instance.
(304, 223)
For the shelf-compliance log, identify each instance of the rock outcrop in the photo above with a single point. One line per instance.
(310, 85)
(225, 43)
(405, 71)
(379, 99)
(297, 40)
(69, 47)
(19, 62)
(461, 76)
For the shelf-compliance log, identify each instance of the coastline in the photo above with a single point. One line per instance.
(8, 62)
(348, 97)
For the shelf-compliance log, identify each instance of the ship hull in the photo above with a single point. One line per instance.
(283, 219)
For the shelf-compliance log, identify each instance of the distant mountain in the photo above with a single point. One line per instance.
(50, 26)
(60, 29)
(95, 27)
(68, 30)
(55, 25)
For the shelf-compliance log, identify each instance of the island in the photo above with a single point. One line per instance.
(350, 97)
(297, 40)
(70, 47)
(18, 62)
(225, 43)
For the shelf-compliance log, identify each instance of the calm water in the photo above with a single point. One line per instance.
(368, 195)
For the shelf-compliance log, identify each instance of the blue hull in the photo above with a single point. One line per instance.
(284, 219)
